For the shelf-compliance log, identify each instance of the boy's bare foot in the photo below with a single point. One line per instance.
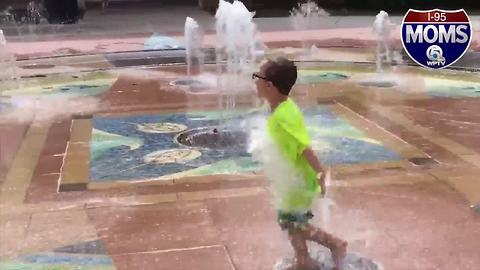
(338, 254)
(306, 265)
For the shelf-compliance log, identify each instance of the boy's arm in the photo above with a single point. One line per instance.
(312, 159)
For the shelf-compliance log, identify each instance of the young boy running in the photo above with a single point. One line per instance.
(295, 171)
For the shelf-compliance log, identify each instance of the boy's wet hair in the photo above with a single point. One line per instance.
(282, 73)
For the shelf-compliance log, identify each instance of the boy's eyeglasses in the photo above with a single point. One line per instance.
(255, 76)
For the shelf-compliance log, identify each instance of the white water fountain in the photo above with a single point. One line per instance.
(221, 17)
(307, 16)
(8, 76)
(236, 39)
(385, 76)
(193, 46)
(236, 51)
(382, 28)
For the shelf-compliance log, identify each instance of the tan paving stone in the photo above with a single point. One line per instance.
(154, 227)
(400, 179)
(17, 180)
(28, 209)
(370, 166)
(226, 193)
(75, 169)
(50, 230)
(215, 178)
(452, 146)
(13, 229)
(176, 180)
(473, 159)
(375, 132)
(81, 130)
(457, 171)
(92, 185)
(65, 64)
(208, 257)
(468, 186)
(133, 200)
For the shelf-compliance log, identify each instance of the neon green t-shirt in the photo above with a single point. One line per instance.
(287, 127)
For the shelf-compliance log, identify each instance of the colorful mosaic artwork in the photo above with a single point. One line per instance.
(55, 261)
(317, 76)
(148, 146)
(434, 86)
(91, 84)
(85, 256)
(438, 87)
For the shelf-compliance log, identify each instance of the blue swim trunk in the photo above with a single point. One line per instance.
(288, 220)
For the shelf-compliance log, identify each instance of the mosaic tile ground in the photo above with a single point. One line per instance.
(433, 86)
(182, 230)
(89, 255)
(57, 261)
(76, 85)
(144, 147)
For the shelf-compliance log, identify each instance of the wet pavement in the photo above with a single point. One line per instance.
(399, 214)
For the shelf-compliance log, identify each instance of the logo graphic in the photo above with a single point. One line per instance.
(435, 55)
(436, 38)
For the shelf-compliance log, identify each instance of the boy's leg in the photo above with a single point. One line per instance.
(337, 246)
(302, 256)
